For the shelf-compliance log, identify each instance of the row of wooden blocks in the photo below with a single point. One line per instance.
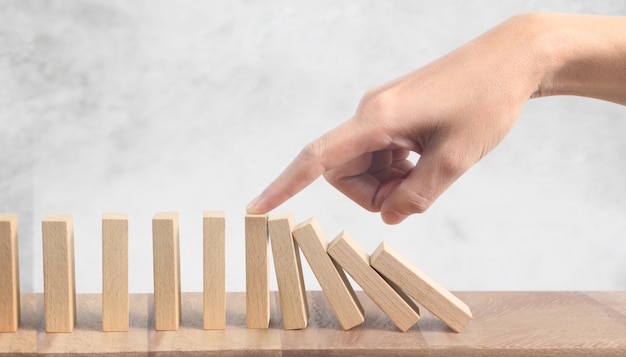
(393, 283)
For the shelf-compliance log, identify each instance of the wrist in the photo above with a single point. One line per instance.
(581, 55)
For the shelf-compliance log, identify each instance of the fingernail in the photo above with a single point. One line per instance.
(393, 217)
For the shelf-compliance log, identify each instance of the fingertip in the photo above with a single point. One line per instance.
(255, 206)
(393, 217)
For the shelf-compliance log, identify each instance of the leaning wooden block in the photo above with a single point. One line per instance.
(293, 303)
(257, 272)
(214, 237)
(351, 257)
(332, 279)
(9, 274)
(58, 273)
(166, 258)
(421, 287)
(114, 272)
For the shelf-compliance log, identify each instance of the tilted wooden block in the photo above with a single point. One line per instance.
(332, 279)
(9, 274)
(291, 290)
(351, 257)
(58, 273)
(257, 272)
(166, 257)
(214, 256)
(114, 272)
(421, 287)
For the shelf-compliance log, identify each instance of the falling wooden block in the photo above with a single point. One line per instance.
(58, 273)
(291, 291)
(421, 287)
(9, 274)
(257, 272)
(332, 279)
(166, 257)
(354, 260)
(214, 238)
(114, 272)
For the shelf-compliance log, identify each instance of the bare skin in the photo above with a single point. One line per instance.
(455, 110)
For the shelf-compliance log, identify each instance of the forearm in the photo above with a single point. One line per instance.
(586, 55)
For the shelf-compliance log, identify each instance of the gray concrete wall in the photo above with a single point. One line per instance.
(146, 106)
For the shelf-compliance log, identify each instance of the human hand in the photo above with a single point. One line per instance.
(451, 112)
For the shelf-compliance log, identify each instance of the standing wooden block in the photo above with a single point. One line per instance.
(166, 257)
(421, 287)
(214, 234)
(351, 257)
(114, 272)
(332, 279)
(291, 290)
(58, 273)
(9, 274)
(257, 272)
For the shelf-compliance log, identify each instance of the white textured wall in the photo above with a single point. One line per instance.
(144, 106)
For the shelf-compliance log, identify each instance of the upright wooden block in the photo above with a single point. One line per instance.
(114, 272)
(332, 279)
(421, 287)
(291, 290)
(351, 257)
(257, 272)
(214, 234)
(9, 274)
(59, 273)
(166, 256)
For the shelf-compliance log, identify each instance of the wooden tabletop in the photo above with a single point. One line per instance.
(504, 324)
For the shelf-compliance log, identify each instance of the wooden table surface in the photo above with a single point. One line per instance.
(504, 324)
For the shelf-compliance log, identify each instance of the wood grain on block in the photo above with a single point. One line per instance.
(88, 339)
(9, 274)
(355, 261)
(166, 257)
(214, 287)
(235, 341)
(291, 290)
(332, 279)
(114, 272)
(23, 342)
(59, 273)
(512, 323)
(257, 271)
(421, 287)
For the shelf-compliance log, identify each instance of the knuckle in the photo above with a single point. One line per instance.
(379, 103)
(370, 93)
(453, 164)
(314, 155)
(312, 152)
(332, 178)
(417, 203)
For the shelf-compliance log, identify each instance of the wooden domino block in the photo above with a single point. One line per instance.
(332, 279)
(421, 287)
(114, 272)
(166, 257)
(214, 240)
(9, 274)
(351, 257)
(291, 290)
(58, 273)
(257, 272)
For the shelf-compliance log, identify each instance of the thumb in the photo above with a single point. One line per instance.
(434, 172)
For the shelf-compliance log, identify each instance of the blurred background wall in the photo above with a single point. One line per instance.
(146, 106)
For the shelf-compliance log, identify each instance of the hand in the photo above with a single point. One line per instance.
(451, 112)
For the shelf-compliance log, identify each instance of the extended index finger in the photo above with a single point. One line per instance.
(336, 147)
